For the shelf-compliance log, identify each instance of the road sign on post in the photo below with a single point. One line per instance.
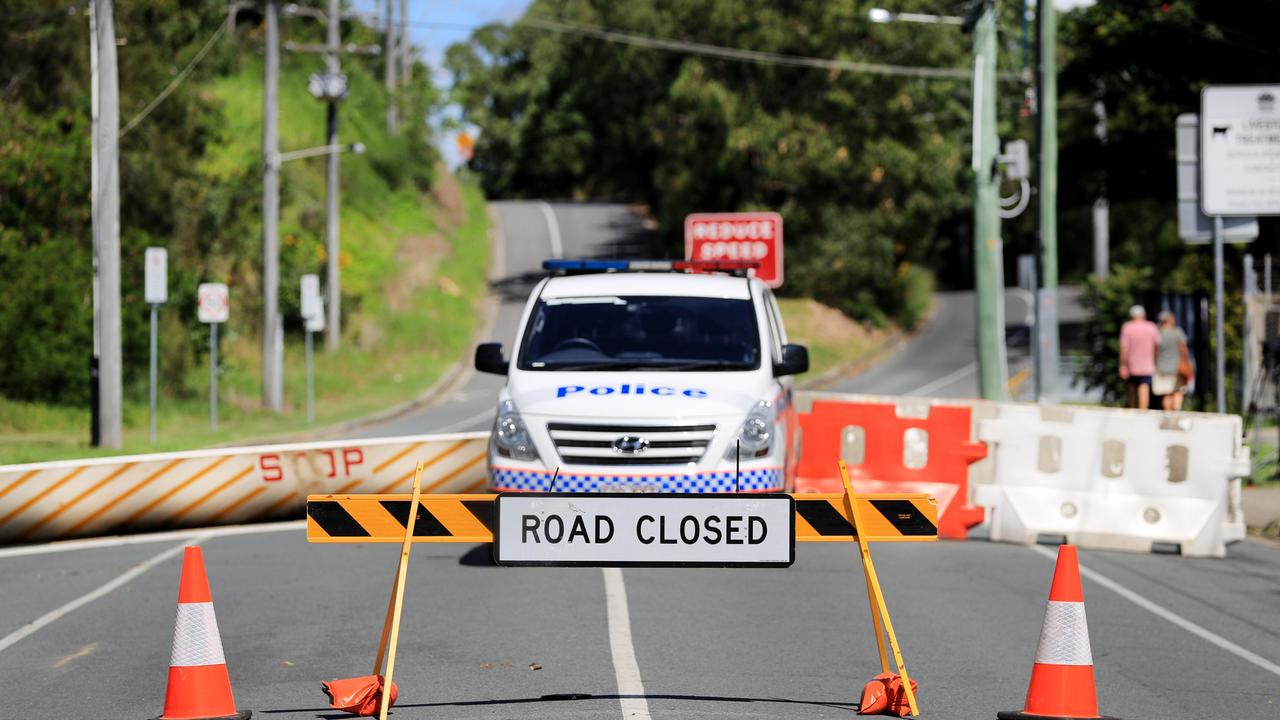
(156, 292)
(313, 322)
(1240, 149)
(213, 307)
(737, 236)
(1194, 227)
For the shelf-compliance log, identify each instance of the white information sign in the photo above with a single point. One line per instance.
(212, 303)
(621, 530)
(1240, 150)
(310, 296)
(156, 284)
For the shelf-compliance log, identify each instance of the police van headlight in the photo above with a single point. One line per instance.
(510, 436)
(756, 437)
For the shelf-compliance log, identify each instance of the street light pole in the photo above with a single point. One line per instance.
(332, 281)
(106, 229)
(988, 251)
(272, 382)
(389, 67)
(1047, 295)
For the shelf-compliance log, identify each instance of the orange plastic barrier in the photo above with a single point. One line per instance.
(945, 474)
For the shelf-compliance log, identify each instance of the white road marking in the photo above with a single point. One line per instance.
(1166, 614)
(625, 667)
(466, 422)
(943, 381)
(119, 540)
(53, 615)
(553, 228)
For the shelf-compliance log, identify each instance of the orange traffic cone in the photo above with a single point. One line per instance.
(199, 687)
(1062, 676)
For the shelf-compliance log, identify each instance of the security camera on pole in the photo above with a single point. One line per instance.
(213, 307)
(313, 320)
(157, 294)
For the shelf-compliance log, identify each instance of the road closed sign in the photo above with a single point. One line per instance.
(212, 303)
(622, 530)
(1240, 150)
(750, 236)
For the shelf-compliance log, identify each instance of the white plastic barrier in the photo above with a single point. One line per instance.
(75, 498)
(1115, 479)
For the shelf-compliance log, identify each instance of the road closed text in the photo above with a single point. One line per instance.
(620, 530)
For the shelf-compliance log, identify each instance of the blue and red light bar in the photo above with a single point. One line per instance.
(694, 266)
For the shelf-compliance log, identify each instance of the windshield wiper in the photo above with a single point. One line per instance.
(706, 365)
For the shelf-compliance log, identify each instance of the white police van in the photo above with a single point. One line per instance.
(645, 376)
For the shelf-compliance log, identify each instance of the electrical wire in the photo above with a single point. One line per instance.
(177, 80)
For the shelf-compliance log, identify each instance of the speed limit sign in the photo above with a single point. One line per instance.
(212, 303)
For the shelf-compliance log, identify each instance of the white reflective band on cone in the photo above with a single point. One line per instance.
(195, 637)
(1064, 639)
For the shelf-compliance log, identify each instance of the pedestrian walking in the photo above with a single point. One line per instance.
(1173, 363)
(1139, 340)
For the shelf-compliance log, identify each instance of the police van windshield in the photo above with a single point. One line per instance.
(641, 332)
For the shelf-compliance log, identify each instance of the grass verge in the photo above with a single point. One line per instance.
(832, 337)
(396, 345)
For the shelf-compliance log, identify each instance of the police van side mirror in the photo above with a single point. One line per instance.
(489, 359)
(795, 360)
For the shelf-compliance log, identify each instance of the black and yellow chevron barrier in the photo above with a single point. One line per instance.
(887, 517)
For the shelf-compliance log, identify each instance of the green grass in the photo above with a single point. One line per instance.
(832, 338)
(415, 347)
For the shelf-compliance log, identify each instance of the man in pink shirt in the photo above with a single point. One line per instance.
(1139, 340)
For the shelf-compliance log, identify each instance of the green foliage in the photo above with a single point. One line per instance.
(190, 180)
(869, 172)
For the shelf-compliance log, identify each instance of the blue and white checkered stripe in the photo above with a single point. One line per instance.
(757, 480)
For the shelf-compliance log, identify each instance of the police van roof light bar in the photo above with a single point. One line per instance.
(741, 268)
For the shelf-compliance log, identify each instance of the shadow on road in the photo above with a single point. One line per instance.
(326, 714)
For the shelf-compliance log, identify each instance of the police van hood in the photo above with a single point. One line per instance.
(639, 395)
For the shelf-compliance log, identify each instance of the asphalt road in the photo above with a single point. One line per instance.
(85, 628)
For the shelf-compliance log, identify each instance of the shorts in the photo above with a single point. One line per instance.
(1136, 380)
(1165, 384)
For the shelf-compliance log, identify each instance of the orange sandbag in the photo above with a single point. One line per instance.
(884, 696)
(358, 695)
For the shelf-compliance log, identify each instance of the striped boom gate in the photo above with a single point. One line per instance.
(632, 528)
(885, 517)
(113, 495)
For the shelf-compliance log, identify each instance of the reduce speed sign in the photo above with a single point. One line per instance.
(752, 236)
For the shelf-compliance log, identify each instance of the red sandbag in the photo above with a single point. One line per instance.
(358, 695)
(884, 696)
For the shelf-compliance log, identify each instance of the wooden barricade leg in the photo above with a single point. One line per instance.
(391, 626)
(873, 588)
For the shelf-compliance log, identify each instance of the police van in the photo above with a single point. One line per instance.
(645, 376)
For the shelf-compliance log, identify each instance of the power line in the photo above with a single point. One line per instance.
(217, 34)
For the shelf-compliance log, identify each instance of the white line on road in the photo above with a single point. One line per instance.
(1161, 612)
(553, 228)
(466, 422)
(119, 540)
(625, 667)
(30, 628)
(943, 381)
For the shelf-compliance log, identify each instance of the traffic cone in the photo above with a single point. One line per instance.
(1062, 677)
(199, 687)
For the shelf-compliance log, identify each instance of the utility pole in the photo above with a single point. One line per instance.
(389, 68)
(988, 250)
(332, 288)
(106, 228)
(406, 61)
(1047, 295)
(1101, 208)
(95, 434)
(272, 382)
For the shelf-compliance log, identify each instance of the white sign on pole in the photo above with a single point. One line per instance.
(315, 323)
(1194, 227)
(156, 285)
(310, 296)
(212, 303)
(1240, 150)
(623, 530)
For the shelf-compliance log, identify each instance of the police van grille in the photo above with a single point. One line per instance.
(586, 444)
